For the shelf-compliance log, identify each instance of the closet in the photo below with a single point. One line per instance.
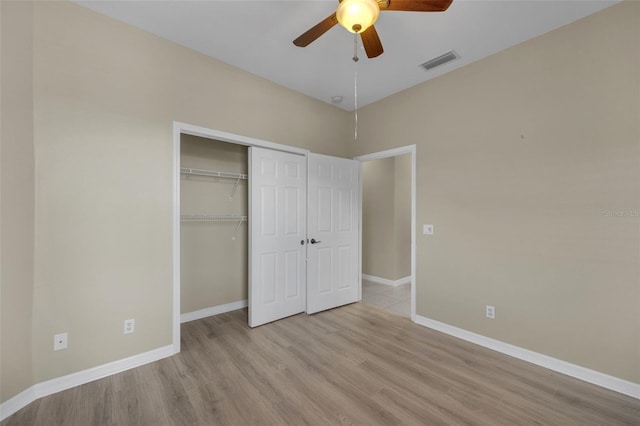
(213, 226)
(295, 214)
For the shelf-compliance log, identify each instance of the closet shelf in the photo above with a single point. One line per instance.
(212, 217)
(212, 173)
(216, 218)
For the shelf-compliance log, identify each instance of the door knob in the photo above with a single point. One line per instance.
(313, 241)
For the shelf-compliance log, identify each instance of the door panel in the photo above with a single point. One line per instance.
(277, 225)
(292, 272)
(333, 262)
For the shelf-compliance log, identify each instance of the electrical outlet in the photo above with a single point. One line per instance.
(491, 312)
(60, 341)
(129, 326)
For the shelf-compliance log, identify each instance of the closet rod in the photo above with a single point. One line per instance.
(212, 173)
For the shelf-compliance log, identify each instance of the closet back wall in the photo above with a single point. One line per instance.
(213, 266)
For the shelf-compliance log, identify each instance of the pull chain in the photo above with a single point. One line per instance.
(355, 92)
(355, 48)
(355, 83)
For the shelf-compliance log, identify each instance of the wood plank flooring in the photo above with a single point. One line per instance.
(352, 365)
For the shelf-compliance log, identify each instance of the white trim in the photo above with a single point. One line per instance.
(414, 186)
(58, 384)
(177, 129)
(394, 152)
(409, 149)
(597, 378)
(214, 310)
(359, 266)
(17, 402)
(405, 280)
(219, 135)
(379, 280)
(189, 129)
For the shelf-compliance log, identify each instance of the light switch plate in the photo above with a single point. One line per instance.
(129, 326)
(427, 229)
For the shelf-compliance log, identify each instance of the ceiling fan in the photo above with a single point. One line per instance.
(358, 16)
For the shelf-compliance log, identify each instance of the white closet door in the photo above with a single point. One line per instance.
(334, 206)
(277, 231)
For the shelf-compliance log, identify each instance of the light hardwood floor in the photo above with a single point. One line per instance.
(352, 365)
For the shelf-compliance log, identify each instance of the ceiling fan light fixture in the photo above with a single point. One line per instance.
(357, 15)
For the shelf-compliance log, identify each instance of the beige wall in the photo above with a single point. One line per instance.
(520, 156)
(402, 214)
(17, 198)
(105, 97)
(386, 217)
(378, 258)
(213, 266)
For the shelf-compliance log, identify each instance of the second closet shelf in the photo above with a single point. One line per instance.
(212, 173)
(216, 218)
(212, 218)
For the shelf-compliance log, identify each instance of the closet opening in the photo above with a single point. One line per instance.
(211, 208)
(213, 227)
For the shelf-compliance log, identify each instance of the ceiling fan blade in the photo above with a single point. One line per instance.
(418, 5)
(371, 42)
(316, 31)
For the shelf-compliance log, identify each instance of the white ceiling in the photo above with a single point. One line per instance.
(257, 36)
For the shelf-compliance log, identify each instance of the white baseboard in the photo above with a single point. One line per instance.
(405, 280)
(58, 384)
(379, 280)
(17, 402)
(214, 310)
(597, 378)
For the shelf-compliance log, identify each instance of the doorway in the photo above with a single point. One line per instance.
(388, 231)
(213, 232)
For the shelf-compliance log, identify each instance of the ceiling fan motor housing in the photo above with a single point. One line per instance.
(357, 15)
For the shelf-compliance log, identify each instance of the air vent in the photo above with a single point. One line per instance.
(440, 60)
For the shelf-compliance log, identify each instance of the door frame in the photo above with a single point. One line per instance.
(203, 132)
(408, 149)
